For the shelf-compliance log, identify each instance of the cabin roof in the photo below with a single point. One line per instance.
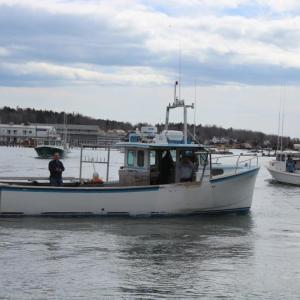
(158, 146)
(289, 152)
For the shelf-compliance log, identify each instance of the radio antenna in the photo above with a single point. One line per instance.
(179, 71)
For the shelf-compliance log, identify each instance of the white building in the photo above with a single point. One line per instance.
(17, 134)
(148, 131)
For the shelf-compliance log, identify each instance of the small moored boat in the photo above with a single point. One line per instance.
(286, 167)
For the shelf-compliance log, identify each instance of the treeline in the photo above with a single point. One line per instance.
(31, 115)
(240, 136)
(203, 133)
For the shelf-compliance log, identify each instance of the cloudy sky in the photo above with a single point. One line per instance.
(118, 59)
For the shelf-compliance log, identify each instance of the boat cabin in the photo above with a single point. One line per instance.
(287, 161)
(50, 142)
(152, 164)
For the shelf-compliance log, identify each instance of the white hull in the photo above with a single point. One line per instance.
(284, 177)
(221, 194)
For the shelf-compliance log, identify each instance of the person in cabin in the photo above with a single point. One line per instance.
(56, 168)
(96, 179)
(290, 164)
(185, 169)
(166, 169)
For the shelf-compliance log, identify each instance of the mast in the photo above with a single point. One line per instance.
(65, 133)
(178, 103)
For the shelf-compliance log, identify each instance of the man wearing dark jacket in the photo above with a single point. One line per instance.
(56, 168)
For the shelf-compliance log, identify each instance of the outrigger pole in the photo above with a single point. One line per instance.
(178, 103)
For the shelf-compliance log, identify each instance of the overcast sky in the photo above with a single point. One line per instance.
(118, 59)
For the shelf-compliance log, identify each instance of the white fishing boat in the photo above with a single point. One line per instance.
(286, 167)
(152, 181)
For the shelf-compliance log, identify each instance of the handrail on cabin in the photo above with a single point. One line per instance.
(238, 161)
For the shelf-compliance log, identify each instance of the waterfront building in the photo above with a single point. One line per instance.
(74, 134)
(78, 134)
(13, 134)
(111, 137)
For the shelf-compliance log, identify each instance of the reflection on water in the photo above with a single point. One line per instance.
(255, 256)
(121, 256)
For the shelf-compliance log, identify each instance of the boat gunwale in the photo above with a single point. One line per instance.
(15, 187)
(293, 174)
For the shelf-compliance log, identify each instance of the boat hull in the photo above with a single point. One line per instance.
(48, 152)
(222, 194)
(284, 177)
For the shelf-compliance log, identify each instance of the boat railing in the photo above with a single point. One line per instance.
(13, 179)
(94, 160)
(248, 162)
(241, 161)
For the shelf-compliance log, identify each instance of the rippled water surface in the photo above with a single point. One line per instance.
(255, 256)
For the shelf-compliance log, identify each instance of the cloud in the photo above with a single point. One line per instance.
(4, 52)
(141, 42)
(41, 71)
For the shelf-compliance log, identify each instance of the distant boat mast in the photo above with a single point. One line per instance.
(281, 120)
(65, 128)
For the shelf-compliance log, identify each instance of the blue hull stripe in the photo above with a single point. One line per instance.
(79, 190)
(254, 171)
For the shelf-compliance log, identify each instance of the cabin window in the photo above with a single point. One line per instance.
(173, 154)
(202, 158)
(140, 158)
(152, 158)
(130, 158)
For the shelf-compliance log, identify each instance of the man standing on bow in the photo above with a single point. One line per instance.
(56, 168)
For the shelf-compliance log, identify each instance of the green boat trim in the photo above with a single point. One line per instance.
(48, 151)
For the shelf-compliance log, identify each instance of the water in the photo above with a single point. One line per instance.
(255, 256)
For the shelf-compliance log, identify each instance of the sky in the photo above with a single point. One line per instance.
(119, 59)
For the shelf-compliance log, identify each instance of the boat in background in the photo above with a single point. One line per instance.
(286, 167)
(47, 148)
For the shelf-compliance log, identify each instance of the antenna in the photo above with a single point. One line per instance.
(179, 70)
(195, 102)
